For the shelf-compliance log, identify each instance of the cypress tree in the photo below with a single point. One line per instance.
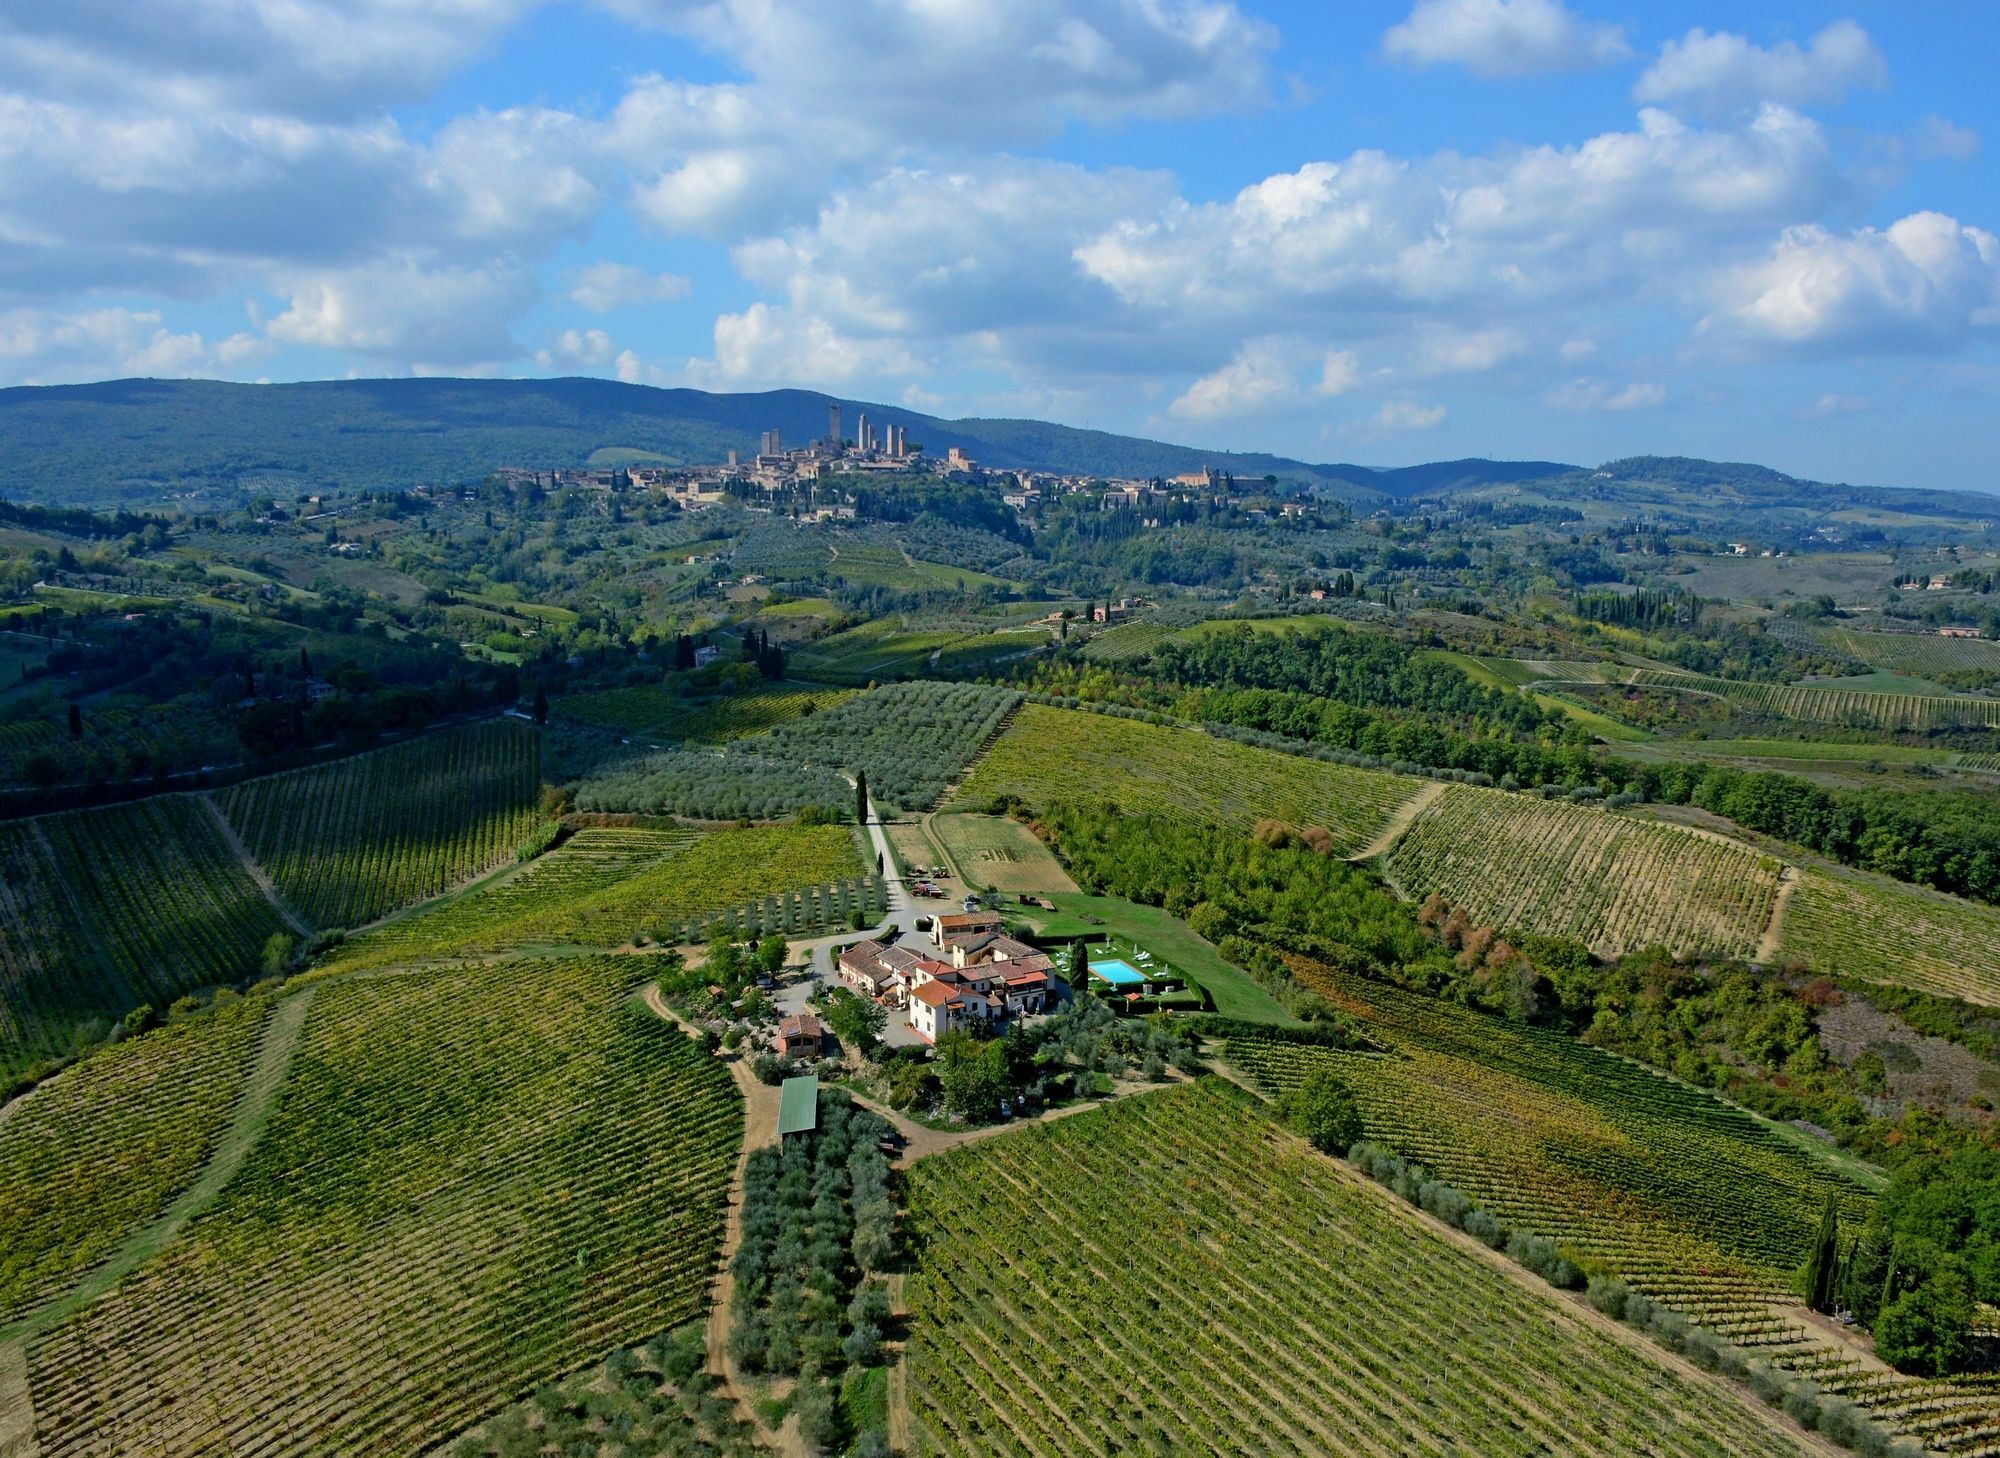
(1823, 1265)
(861, 797)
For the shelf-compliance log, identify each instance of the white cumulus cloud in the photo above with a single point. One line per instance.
(1263, 375)
(1503, 37)
(1925, 281)
(1714, 73)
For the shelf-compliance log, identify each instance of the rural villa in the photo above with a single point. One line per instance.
(980, 976)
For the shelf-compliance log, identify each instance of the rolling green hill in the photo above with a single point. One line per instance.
(132, 440)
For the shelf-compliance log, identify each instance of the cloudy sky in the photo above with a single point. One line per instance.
(1349, 231)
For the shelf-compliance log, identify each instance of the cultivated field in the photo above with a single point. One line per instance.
(910, 739)
(350, 841)
(1173, 1274)
(101, 910)
(1686, 1198)
(1849, 925)
(1587, 873)
(91, 1154)
(1854, 707)
(1001, 854)
(1068, 754)
(472, 1182)
(653, 711)
(1921, 654)
(604, 886)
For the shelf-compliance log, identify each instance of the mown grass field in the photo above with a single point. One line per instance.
(1587, 873)
(654, 712)
(473, 1182)
(1001, 854)
(1846, 924)
(1050, 754)
(350, 841)
(1174, 1274)
(88, 1156)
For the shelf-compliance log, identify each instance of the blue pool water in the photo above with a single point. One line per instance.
(1117, 972)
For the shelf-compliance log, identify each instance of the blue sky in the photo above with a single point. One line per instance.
(1378, 233)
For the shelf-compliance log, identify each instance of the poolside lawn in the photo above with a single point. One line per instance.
(1236, 993)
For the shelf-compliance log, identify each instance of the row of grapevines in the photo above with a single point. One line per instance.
(474, 1181)
(101, 910)
(347, 842)
(1580, 871)
(1172, 1274)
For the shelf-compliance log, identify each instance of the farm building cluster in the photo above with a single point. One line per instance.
(971, 974)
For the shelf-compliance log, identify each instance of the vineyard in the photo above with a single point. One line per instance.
(655, 712)
(1577, 871)
(1061, 754)
(1858, 708)
(90, 1155)
(607, 884)
(911, 739)
(1921, 654)
(1173, 1274)
(350, 841)
(1125, 642)
(1849, 925)
(101, 910)
(474, 1182)
(1685, 1198)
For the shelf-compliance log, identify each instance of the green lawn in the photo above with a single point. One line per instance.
(1236, 993)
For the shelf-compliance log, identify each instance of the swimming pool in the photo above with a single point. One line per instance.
(1118, 972)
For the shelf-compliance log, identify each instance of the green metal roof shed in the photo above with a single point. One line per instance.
(798, 1105)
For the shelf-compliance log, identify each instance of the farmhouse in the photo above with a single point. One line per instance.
(948, 924)
(938, 1007)
(800, 1036)
(861, 967)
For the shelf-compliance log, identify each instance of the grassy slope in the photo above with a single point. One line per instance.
(1049, 754)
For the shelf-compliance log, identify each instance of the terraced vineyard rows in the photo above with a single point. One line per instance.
(1173, 1274)
(1682, 1196)
(101, 910)
(1849, 925)
(1051, 754)
(485, 920)
(93, 1153)
(606, 884)
(474, 1181)
(1854, 707)
(1559, 869)
(1920, 654)
(349, 841)
(714, 873)
(653, 711)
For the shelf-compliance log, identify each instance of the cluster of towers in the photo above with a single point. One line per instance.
(892, 441)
